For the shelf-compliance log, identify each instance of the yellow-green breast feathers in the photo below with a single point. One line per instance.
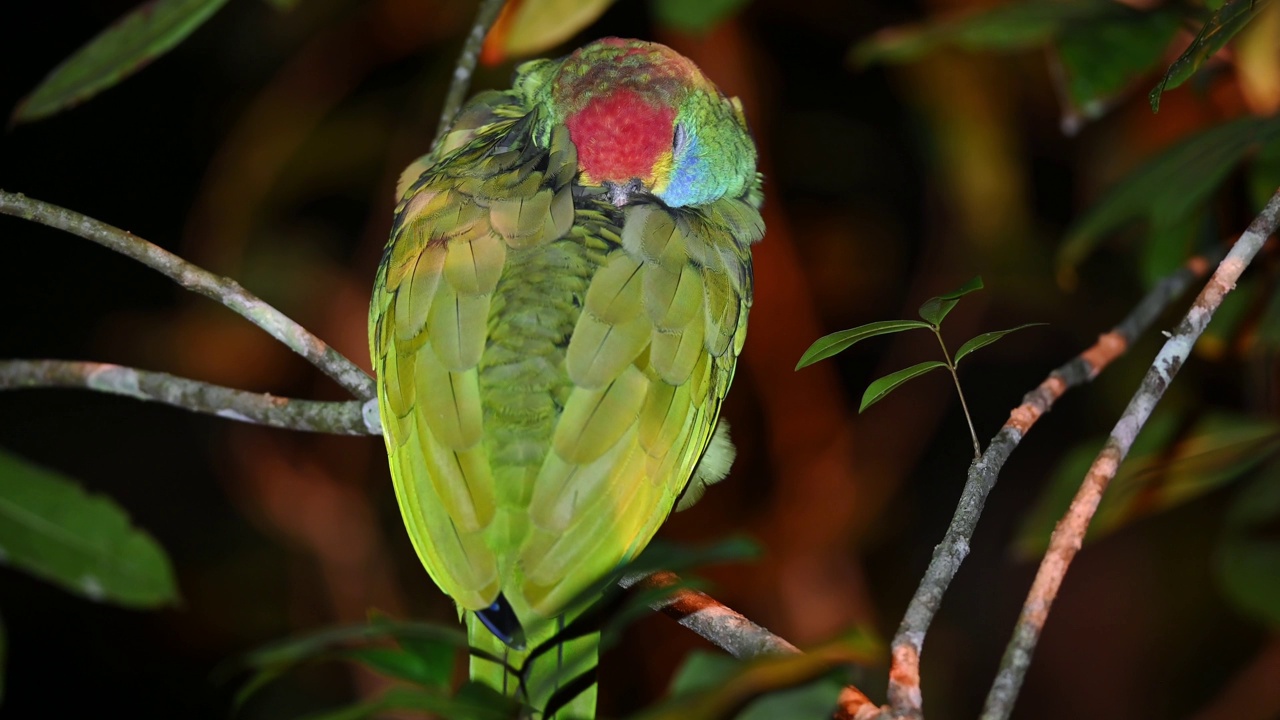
(550, 362)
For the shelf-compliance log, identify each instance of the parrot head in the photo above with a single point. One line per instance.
(646, 122)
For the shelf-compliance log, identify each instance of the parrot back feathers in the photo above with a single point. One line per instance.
(550, 365)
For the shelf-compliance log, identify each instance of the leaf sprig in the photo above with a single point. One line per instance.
(932, 313)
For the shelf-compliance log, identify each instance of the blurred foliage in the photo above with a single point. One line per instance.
(52, 528)
(1228, 19)
(1168, 465)
(279, 136)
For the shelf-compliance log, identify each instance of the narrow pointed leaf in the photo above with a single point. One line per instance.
(1171, 187)
(1216, 32)
(695, 17)
(936, 308)
(985, 339)
(1102, 58)
(828, 345)
(51, 528)
(1010, 26)
(877, 390)
(132, 42)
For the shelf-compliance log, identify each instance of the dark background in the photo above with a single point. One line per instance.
(266, 147)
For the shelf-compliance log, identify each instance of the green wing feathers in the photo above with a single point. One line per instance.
(550, 367)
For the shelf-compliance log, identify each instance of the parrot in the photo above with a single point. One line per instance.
(554, 325)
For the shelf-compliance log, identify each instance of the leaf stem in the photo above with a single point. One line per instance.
(955, 377)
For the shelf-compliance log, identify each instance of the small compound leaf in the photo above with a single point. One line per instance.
(936, 308)
(1011, 26)
(837, 342)
(133, 41)
(51, 528)
(877, 390)
(530, 27)
(1216, 32)
(1101, 58)
(695, 17)
(985, 339)
(1169, 188)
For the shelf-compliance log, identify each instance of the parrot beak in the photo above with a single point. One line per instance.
(620, 193)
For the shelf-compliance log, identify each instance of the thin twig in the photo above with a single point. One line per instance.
(725, 627)
(734, 633)
(904, 675)
(1069, 534)
(340, 418)
(224, 290)
(466, 65)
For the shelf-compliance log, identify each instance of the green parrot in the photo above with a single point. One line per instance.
(554, 325)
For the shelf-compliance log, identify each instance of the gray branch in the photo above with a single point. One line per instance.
(224, 290)
(340, 418)
(1069, 534)
(904, 692)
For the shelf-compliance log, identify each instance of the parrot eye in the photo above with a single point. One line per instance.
(679, 141)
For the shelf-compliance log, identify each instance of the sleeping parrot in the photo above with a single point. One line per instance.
(555, 322)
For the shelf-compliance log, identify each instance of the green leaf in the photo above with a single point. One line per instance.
(1101, 58)
(1264, 174)
(133, 41)
(51, 528)
(828, 345)
(695, 17)
(985, 339)
(397, 663)
(335, 643)
(936, 308)
(877, 390)
(1249, 571)
(711, 687)
(1166, 468)
(1171, 187)
(4, 656)
(472, 702)
(1012, 26)
(1220, 28)
(1248, 560)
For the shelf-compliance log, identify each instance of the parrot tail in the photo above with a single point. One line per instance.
(539, 667)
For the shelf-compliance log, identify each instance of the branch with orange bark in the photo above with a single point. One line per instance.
(1069, 534)
(904, 692)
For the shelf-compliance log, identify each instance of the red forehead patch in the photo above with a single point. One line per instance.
(620, 136)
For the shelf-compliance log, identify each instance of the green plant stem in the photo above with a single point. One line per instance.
(973, 434)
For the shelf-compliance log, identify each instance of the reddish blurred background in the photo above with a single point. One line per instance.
(266, 148)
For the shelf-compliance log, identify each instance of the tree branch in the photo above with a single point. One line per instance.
(1069, 534)
(904, 693)
(224, 290)
(462, 72)
(340, 418)
(733, 632)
